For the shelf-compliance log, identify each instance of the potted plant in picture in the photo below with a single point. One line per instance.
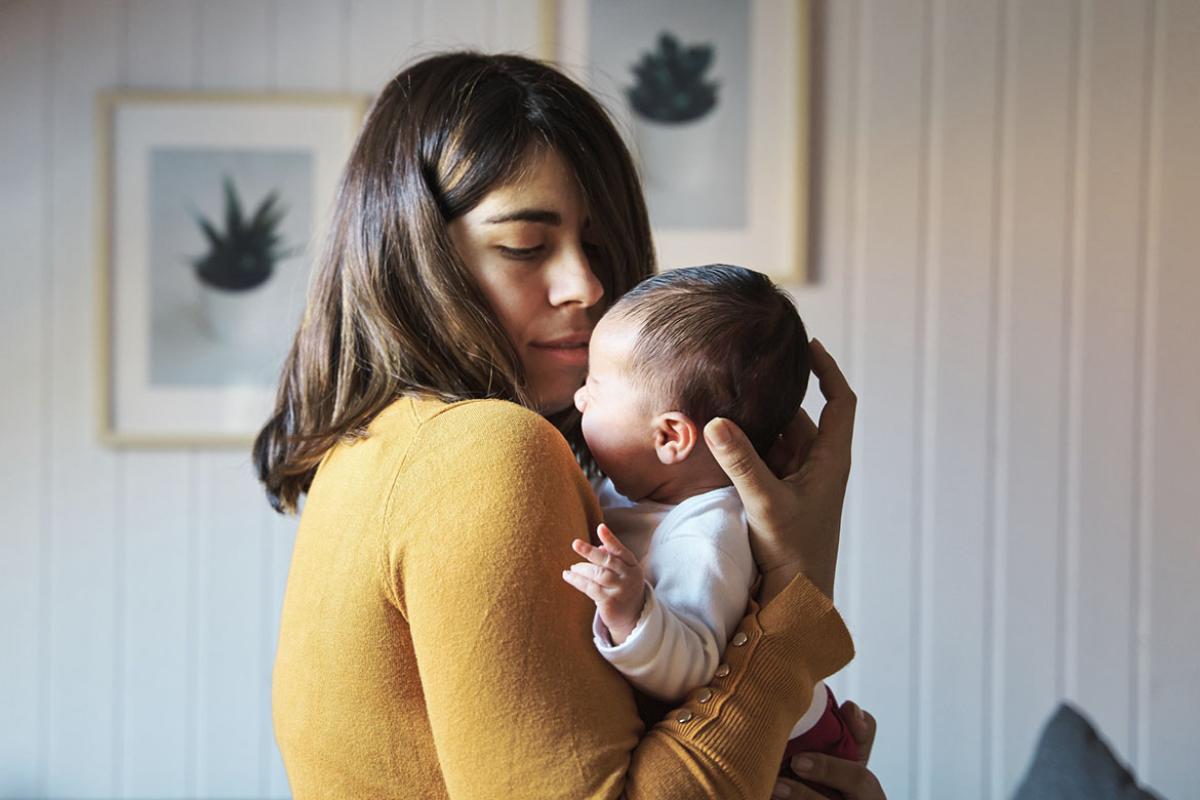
(239, 262)
(673, 103)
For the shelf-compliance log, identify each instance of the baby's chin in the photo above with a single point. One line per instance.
(629, 487)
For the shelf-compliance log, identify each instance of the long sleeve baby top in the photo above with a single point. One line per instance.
(699, 572)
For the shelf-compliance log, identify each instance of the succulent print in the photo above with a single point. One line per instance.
(670, 82)
(242, 256)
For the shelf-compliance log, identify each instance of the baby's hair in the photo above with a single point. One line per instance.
(720, 341)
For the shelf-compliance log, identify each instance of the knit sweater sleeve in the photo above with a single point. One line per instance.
(519, 703)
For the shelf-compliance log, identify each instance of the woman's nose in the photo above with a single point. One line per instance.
(573, 281)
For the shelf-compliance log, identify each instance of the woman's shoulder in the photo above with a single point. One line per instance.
(474, 434)
(467, 420)
(490, 459)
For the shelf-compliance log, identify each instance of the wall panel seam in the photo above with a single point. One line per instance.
(990, 584)
(117, 741)
(1001, 410)
(925, 368)
(1073, 354)
(854, 300)
(1146, 311)
(46, 415)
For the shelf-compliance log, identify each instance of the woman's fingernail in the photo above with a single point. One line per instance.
(817, 343)
(781, 790)
(802, 764)
(718, 433)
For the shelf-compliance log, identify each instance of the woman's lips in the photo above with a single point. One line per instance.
(574, 355)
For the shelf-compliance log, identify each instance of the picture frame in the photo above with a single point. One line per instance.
(734, 193)
(210, 209)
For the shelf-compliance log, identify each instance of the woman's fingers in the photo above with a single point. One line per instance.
(788, 789)
(862, 728)
(836, 430)
(751, 477)
(791, 450)
(852, 778)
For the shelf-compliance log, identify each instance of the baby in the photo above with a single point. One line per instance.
(674, 352)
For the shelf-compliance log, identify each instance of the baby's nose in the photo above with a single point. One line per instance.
(580, 398)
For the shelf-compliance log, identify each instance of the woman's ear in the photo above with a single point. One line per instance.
(675, 437)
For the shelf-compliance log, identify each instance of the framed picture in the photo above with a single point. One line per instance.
(210, 207)
(712, 97)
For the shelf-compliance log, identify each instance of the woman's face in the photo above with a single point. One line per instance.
(527, 246)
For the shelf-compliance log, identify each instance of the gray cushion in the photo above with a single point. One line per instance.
(1072, 762)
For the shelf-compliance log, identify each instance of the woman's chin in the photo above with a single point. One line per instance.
(551, 400)
(557, 407)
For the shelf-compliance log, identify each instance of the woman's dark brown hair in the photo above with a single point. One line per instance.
(391, 309)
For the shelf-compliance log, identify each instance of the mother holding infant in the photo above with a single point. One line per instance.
(488, 215)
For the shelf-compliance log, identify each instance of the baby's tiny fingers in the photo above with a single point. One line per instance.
(610, 541)
(599, 574)
(600, 556)
(594, 592)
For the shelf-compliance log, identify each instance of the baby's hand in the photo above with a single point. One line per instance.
(613, 579)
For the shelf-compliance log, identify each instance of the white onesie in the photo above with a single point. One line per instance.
(699, 570)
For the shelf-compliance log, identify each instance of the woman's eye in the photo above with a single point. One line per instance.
(519, 253)
(592, 247)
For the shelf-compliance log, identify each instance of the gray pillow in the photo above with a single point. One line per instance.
(1072, 762)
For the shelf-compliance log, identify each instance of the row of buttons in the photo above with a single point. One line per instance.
(706, 693)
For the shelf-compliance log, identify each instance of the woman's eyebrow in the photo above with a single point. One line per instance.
(527, 215)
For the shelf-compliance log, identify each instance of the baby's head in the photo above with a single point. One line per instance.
(677, 350)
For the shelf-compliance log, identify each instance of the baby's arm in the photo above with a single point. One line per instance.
(614, 581)
(670, 642)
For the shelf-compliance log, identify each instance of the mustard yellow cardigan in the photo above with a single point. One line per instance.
(430, 648)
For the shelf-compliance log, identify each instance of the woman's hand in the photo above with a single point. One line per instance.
(795, 521)
(851, 779)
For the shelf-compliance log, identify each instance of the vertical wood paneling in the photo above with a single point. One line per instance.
(959, 335)
(307, 43)
(383, 36)
(1005, 233)
(236, 52)
(891, 206)
(1037, 224)
(1102, 642)
(84, 479)
(280, 533)
(234, 44)
(311, 52)
(160, 38)
(1174, 604)
(835, 38)
(1144, 308)
(517, 27)
(25, 310)
(154, 506)
(448, 24)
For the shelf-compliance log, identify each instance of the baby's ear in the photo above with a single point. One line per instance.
(675, 437)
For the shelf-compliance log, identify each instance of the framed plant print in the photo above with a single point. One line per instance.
(713, 98)
(210, 207)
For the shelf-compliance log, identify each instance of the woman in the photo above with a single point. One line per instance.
(487, 216)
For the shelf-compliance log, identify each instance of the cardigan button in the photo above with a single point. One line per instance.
(705, 695)
(722, 671)
(739, 639)
(683, 716)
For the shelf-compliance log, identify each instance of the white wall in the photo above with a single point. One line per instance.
(1007, 197)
